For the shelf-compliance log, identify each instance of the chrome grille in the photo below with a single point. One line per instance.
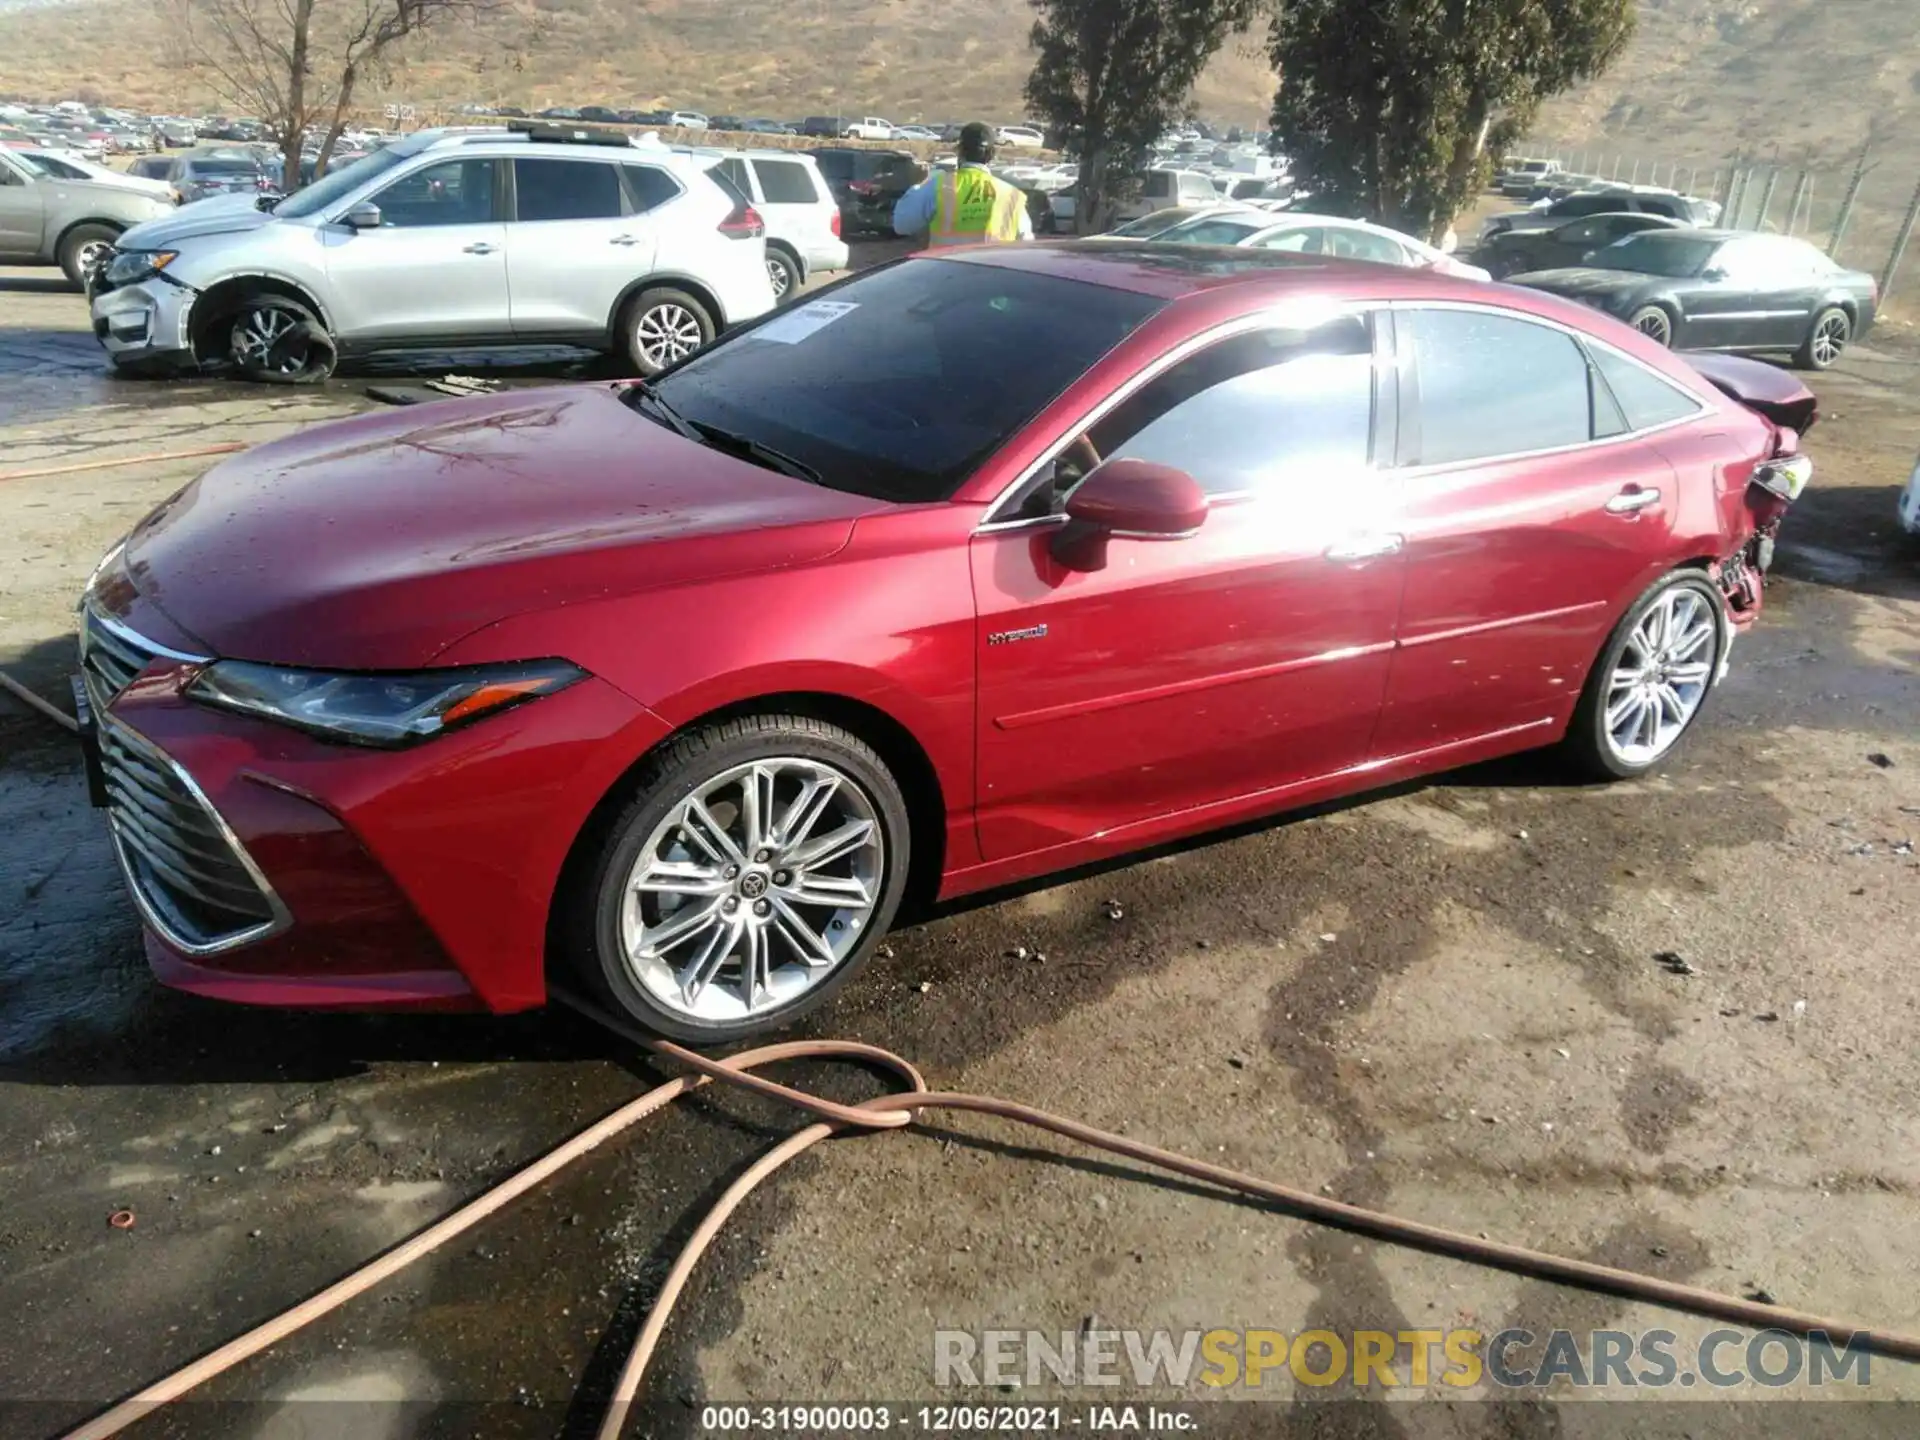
(110, 656)
(192, 881)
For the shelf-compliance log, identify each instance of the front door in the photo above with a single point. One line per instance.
(434, 269)
(1523, 531)
(1240, 660)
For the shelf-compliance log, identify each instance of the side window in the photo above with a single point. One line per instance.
(1304, 241)
(785, 182)
(1644, 398)
(649, 186)
(1495, 385)
(1584, 232)
(1197, 190)
(1363, 245)
(1261, 410)
(565, 190)
(454, 192)
(9, 177)
(1159, 185)
(1215, 232)
(735, 169)
(1580, 205)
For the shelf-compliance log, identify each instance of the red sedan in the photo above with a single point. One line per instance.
(972, 569)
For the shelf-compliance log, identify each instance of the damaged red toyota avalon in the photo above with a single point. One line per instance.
(975, 568)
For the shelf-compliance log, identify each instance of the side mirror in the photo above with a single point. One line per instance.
(364, 216)
(1588, 257)
(1132, 499)
(1713, 272)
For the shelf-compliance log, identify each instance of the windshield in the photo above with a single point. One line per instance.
(202, 166)
(335, 184)
(1663, 253)
(899, 383)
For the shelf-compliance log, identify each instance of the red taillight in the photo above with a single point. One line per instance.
(836, 222)
(743, 222)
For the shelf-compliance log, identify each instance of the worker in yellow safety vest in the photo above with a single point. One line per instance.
(968, 204)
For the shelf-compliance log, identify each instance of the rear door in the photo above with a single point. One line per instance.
(436, 268)
(22, 213)
(795, 209)
(573, 245)
(1524, 532)
(1239, 661)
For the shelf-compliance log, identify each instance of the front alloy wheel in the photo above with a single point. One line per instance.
(1654, 323)
(753, 872)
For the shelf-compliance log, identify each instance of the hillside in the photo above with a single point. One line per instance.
(905, 59)
(1702, 79)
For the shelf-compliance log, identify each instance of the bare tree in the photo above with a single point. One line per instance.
(297, 65)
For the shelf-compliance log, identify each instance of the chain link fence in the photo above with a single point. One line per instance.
(1861, 210)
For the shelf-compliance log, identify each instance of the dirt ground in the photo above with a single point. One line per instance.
(1444, 1002)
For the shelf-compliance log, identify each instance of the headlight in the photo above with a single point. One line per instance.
(128, 266)
(384, 710)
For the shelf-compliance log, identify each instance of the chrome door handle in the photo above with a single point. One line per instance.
(480, 248)
(1365, 547)
(623, 240)
(1632, 502)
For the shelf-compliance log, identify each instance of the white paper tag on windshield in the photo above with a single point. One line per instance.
(796, 325)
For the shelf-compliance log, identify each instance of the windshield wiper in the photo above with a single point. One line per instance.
(744, 446)
(675, 420)
(747, 448)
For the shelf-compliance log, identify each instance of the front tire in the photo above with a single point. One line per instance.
(1832, 332)
(661, 327)
(279, 341)
(1655, 323)
(1651, 680)
(751, 875)
(81, 248)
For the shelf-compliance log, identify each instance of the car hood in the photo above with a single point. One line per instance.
(1586, 282)
(215, 215)
(377, 542)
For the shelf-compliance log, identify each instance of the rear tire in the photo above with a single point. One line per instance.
(1825, 343)
(81, 247)
(724, 890)
(784, 271)
(661, 327)
(1652, 679)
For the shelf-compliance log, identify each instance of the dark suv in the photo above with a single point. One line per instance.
(866, 183)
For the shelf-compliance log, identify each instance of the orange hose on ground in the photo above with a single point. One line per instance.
(893, 1111)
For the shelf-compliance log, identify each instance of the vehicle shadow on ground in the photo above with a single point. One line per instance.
(1849, 538)
(53, 283)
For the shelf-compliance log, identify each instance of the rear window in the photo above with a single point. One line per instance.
(225, 167)
(735, 169)
(905, 379)
(1645, 399)
(835, 163)
(648, 186)
(565, 190)
(785, 182)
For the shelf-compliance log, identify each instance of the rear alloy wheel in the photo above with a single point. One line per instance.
(1652, 679)
(784, 273)
(663, 327)
(1654, 323)
(751, 876)
(280, 341)
(1826, 342)
(84, 247)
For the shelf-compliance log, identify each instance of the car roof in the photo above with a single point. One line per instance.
(748, 152)
(1172, 272)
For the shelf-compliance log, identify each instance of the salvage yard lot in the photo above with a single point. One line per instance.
(1444, 1002)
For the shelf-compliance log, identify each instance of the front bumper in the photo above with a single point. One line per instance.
(270, 867)
(145, 320)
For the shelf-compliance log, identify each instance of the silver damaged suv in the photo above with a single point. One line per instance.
(448, 238)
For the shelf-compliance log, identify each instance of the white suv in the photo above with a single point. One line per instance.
(801, 215)
(525, 236)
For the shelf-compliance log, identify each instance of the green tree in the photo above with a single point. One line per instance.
(1394, 109)
(1110, 76)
